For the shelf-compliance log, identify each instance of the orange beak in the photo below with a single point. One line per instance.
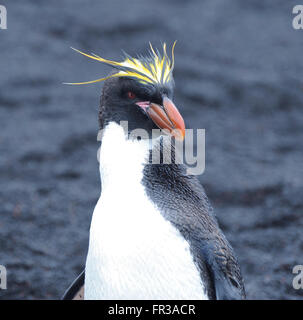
(168, 118)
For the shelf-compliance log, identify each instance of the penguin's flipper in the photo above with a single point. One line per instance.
(76, 289)
(225, 270)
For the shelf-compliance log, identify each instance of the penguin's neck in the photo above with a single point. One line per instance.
(122, 160)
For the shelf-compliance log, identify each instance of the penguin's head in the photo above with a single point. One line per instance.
(141, 93)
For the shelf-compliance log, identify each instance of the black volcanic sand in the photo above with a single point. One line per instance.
(239, 75)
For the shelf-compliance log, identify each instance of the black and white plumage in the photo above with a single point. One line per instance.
(153, 233)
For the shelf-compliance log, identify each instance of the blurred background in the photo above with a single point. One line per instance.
(238, 74)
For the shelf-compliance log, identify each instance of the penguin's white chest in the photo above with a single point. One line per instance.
(134, 253)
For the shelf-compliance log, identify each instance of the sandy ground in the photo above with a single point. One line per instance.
(239, 75)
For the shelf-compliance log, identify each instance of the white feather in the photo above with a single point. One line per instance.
(134, 253)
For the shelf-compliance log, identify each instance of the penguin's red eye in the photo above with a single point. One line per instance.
(131, 95)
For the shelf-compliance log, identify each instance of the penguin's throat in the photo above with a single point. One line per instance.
(122, 159)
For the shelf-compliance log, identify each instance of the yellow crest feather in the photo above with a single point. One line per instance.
(155, 69)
